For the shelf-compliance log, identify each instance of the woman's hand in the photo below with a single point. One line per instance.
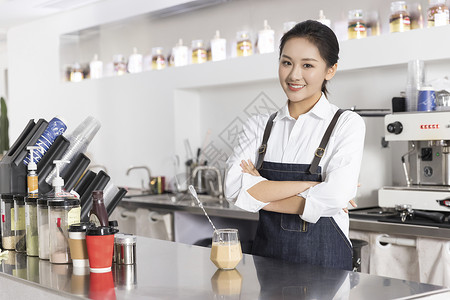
(353, 203)
(249, 168)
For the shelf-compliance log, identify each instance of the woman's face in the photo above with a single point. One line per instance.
(302, 71)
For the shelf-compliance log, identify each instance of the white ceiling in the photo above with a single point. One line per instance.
(16, 12)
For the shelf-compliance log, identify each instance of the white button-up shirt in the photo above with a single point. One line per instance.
(295, 142)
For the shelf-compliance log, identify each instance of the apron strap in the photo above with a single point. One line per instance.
(262, 149)
(320, 151)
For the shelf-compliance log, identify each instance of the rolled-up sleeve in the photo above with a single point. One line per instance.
(340, 173)
(238, 183)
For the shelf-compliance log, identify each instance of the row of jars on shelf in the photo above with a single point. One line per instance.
(403, 18)
(180, 55)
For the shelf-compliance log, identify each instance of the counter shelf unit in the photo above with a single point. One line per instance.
(385, 50)
(170, 270)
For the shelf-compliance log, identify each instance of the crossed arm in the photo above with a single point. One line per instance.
(281, 195)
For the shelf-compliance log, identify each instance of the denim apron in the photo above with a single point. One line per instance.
(287, 236)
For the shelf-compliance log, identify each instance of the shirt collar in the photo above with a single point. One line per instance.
(321, 109)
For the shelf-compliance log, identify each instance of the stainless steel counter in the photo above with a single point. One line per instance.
(168, 270)
(168, 202)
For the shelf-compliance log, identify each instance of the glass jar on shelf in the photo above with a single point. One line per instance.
(438, 14)
(244, 45)
(415, 15)
(76, 73)
(373, 23)
(399, 20)
(199, 54)
(356, 25)
(120, 66)
(158, 60)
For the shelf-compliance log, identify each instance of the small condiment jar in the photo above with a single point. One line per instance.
(120, 66)
(7, 222)
(438, 14)
(399, 20)
(76, 73)
(415, 15)
(199, 54)
(31, 227)
(218, 48)
(135, 62)
(77, 244)
(62, 212)
(19, 217)
(158, 60)
(356, 25)
(124, 249)
(244, 44)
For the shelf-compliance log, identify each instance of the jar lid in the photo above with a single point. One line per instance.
(113, 223)
(125, 238)
(42, 201)
(101, 230)
(20, 199)
(7, 197)
(63, 202)
(31, 200)
(80, 227)
(355, 14)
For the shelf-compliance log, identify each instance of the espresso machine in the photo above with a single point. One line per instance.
(426, 164)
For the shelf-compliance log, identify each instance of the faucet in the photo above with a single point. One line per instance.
(148, 172)
(219, 177)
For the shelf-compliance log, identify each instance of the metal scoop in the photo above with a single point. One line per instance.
(194, 193)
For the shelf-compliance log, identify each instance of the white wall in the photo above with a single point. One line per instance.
(146, 117)
(3, 67)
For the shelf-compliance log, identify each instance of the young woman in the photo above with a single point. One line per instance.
(299, 167)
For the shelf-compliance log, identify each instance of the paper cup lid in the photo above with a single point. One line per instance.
(101, 230)
(80, 227)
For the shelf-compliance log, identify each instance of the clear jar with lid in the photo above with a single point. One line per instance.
(373, 23)
(199, 54)
(415, 15)
(42, 221)
(120, 66)
(19, 230)
(62, 212)
(8, 222)
(31, 227)
(356, 25)
(158, 60)
(399, 20)
(437, 14)
(244, 45)
(76, 73)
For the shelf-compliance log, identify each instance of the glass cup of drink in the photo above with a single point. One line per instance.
(226, 250)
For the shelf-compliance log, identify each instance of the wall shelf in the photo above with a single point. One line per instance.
(373, 52)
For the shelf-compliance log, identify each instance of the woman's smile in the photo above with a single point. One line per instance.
(295, 87)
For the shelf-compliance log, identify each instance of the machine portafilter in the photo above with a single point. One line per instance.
(406, 211)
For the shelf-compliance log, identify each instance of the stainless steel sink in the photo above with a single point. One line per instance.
(133, 192)
(182, 198)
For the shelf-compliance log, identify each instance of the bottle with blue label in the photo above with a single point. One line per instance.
(55, 128)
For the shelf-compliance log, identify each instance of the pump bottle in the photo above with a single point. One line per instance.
(32, 177)
(58, 181)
